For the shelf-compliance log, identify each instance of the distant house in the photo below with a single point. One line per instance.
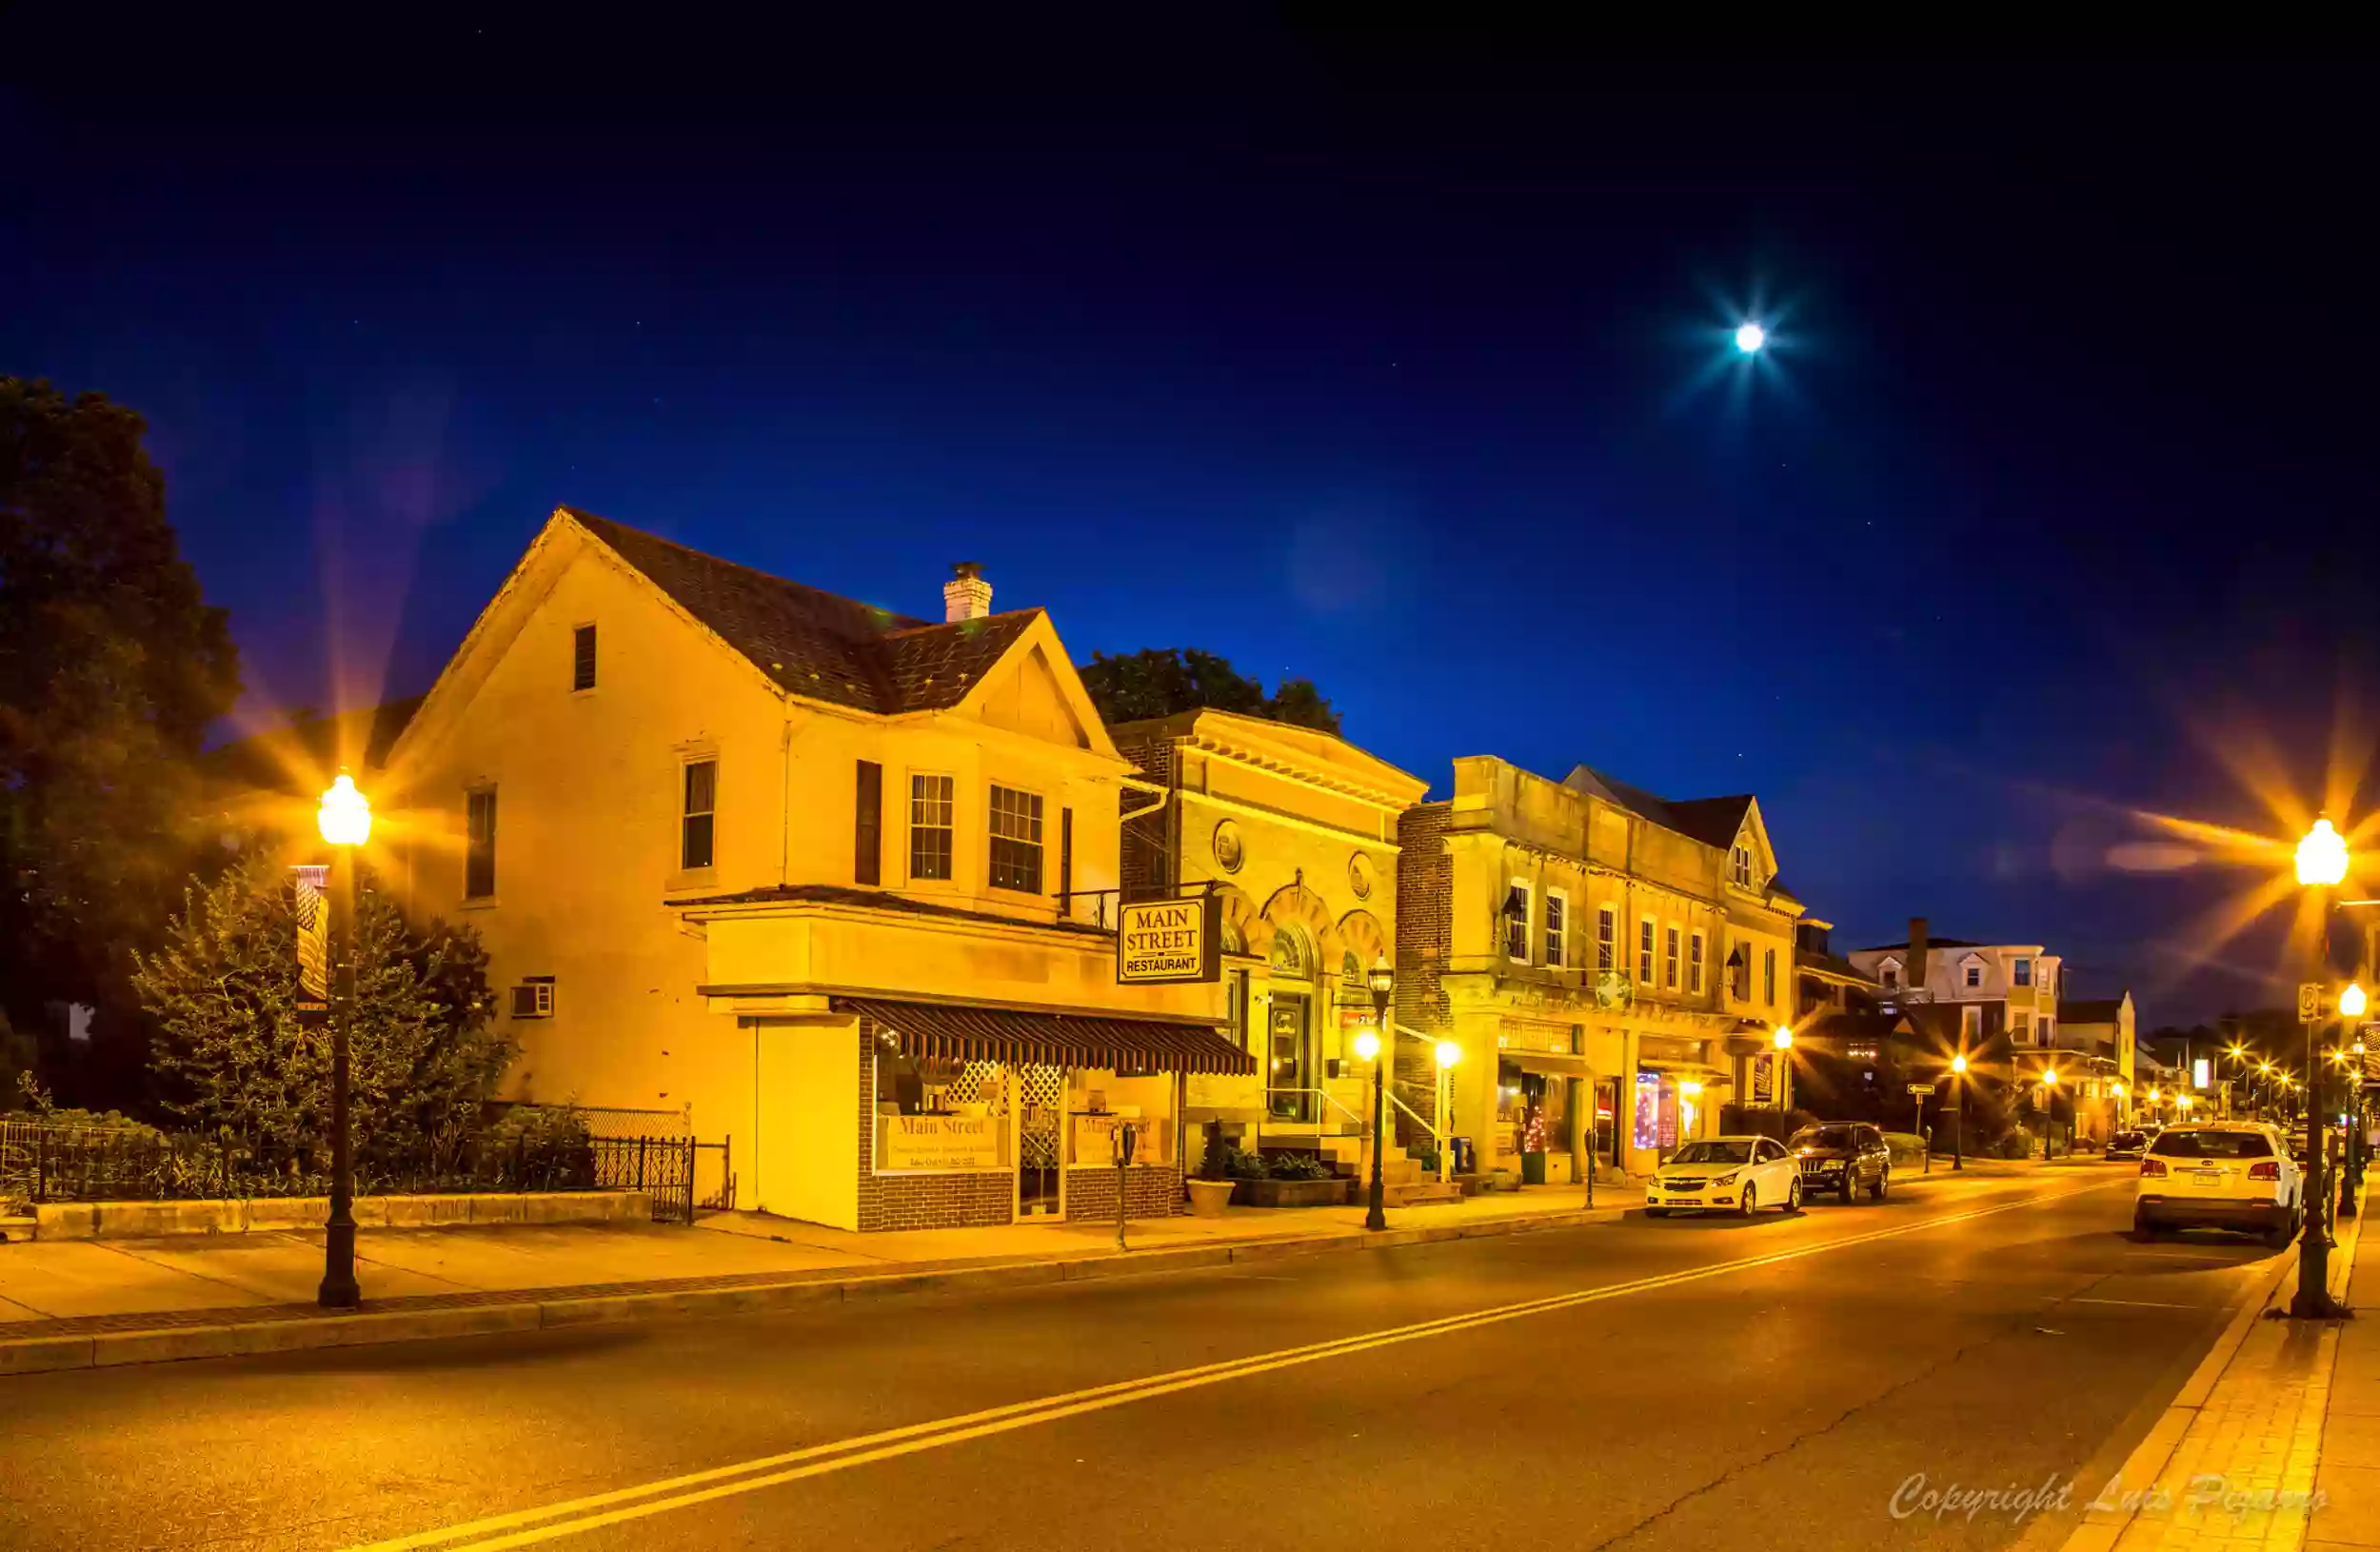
(1998, 989)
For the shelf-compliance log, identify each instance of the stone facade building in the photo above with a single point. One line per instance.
(1612, 966)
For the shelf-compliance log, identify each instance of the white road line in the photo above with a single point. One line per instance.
(2141, 1304)
(518, 1528)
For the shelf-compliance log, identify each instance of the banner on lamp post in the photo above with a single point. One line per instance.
(313, 943)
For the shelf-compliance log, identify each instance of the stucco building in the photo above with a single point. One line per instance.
(1998, 989)
(1612, 965)
(836, 883)
(1297, 830)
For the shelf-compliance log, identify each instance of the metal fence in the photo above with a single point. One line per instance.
(49, 1164)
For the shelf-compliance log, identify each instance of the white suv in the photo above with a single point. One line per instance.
(2220, 1174)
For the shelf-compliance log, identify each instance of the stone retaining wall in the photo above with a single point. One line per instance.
(259, 1215)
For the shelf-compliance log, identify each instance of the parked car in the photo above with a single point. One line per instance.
(2220, 1174)
(1842, 1155)
(2128, 1145)
(1737, 1173)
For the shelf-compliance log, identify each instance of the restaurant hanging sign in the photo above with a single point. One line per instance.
(1161, 941)
(944, 1143)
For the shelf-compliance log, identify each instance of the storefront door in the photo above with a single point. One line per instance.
(1041, 1143)
(1292, 1065)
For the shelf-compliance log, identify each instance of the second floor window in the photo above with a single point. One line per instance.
(1555, 909)
(930, 818)
(1644, 950)
(1693, 966)
(696, 833)
(2020, 971)
(1768, 976)
(1669, 960)
(1607, 938)
(479, 847)
(1517, 924)
(1016, 840)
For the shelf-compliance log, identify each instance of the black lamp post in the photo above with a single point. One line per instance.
(1382, 981)
(346, 822)
(2321, 867)
(1958, 1076)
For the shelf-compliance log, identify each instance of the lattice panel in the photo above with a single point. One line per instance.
(981, 1082)
(1041, 1093)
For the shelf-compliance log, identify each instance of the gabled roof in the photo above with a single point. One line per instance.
(817, 643)
(1714, 822)
(1931, 945)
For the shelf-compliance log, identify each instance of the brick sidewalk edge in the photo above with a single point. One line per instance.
(479, 1315)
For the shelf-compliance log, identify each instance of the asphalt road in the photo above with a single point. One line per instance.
(1687, 1383)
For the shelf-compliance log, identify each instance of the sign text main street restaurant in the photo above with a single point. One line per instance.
(1159, 940)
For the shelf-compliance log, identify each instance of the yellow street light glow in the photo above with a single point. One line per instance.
(1689, 1088)
(2352, 1001)
(2049, 1076)
(1368, 1044)
(2185, 1101)
(2154, 1092)
(2322, 855)
(2119, 1090)
(1784, 1038)
(1448, 1053)
(1958, 1063)
(345, 815)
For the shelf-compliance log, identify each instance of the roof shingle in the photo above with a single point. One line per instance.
(818, 644)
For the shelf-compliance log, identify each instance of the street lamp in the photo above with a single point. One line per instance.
(2322, 865)
(345, 821)
(2049, 1113)
(1368, 1047)
(1958, 1075)
(1751, 338)
(1783, 1041)
(1448, 1053)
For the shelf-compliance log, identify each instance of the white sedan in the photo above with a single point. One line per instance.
(1737, 1173)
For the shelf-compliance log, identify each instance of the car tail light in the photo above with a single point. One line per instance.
(2152, 1167)
(2270, 1170)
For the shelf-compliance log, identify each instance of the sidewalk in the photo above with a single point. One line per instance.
(87, 1303)
(2274, 1444)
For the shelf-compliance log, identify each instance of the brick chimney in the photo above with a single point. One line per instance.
(1916, 951)
(967, 595)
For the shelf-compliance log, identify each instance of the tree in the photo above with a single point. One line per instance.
(236, 1060)
(112, 667)
(1159, 681)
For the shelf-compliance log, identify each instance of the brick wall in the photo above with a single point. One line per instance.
(890, 1201)
(1147, 862)
(1425, 935)
(1150, 1191)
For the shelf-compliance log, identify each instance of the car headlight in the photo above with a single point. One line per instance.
(1728, 1179)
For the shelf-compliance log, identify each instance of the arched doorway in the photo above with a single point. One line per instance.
(1290, 1067)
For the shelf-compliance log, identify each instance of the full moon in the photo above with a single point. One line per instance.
(1749, 338)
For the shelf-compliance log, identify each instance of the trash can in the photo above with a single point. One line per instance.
(1463, 1164)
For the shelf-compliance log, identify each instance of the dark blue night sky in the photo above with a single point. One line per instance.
(1394, 361)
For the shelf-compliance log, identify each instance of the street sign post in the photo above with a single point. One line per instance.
(1917, 1093)
(2308, 1001)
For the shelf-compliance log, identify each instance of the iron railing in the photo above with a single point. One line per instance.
(41, 1163)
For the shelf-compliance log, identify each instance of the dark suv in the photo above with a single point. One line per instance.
(1843, 1156)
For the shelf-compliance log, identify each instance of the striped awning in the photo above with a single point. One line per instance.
(1050, 1040)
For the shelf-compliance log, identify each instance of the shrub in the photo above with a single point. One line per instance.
(1298, 1166)
(1239, 1163)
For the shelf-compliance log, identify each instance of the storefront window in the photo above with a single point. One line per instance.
(936, 1114)
(1645, 1122)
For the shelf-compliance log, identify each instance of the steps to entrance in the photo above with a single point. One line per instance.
(1421, 1194)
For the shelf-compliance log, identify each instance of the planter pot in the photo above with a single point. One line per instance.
(1208, 1197)
(1533, 1169)
(1290, 1193)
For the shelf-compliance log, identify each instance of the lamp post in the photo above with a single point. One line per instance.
(2048, 1114)
(1448, 1053)
(2352, 1005)
(1958, 1077)
(2321, 867)
(345, 821)
(1368, 1045)
(1783, 1041)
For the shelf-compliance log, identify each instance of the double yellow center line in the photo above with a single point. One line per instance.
(524, 1527)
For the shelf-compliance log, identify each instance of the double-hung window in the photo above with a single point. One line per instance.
(1669, 958)
(1694, 965)
(1768, 976)
(931, 817)
(1516, 923)
(697, 832)
(1016, 840)
(1557, 909)
(1606, 939)
(1644, 950)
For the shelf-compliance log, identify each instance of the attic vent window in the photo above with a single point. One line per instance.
(583, 658)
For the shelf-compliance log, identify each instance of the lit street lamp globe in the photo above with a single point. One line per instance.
(1749, 338)
(2352, 1001)
(1448, 1053)
(345, 815)
(1958, 1063)
(1368, 1044)
(1784, 1038)
(2322, 855)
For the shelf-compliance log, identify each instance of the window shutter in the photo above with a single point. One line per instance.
(867, 826)
(1065, 864)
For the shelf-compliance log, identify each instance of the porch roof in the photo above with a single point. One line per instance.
(1056, 1039)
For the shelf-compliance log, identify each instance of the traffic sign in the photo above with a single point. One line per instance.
(1921, 1088)
(2308, 1001)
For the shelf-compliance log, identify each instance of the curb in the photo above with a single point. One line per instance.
(237, 1338)
(2148, 1459)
